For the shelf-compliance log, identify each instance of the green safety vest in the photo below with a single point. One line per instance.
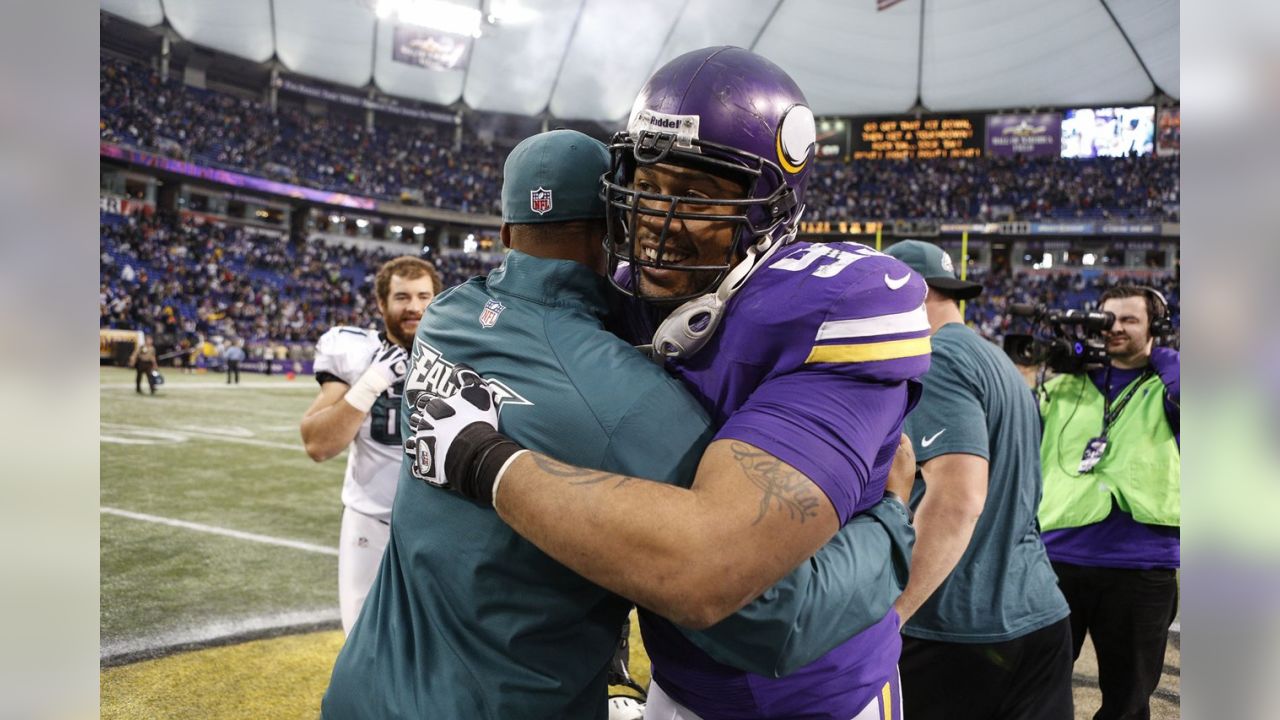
(1141, 468)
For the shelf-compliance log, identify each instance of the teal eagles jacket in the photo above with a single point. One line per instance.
(469, 620)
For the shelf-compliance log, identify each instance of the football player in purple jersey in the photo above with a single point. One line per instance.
(807, 356)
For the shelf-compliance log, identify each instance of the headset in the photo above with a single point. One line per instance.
(1161, 326)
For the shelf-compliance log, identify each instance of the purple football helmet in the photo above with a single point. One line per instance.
(721, 110)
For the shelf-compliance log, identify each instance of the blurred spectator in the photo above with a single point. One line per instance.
(235, 355)
(144, 359)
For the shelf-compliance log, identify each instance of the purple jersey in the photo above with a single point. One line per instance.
(816, 361)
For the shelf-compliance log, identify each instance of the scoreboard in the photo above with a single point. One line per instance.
(937, 136)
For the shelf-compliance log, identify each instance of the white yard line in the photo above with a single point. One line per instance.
(225, 532)
(185, 432)
(216, 630)
(167, 387)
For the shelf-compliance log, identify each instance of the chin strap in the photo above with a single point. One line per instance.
(691, 325)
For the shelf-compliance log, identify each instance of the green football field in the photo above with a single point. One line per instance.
(214, 520)
(218, 550)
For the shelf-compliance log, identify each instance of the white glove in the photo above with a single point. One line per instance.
(455, 435)
(390, 363)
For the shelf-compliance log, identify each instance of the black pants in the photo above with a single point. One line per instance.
(144, 371)
(233, 366)
(1027, 678)
(1128, 614)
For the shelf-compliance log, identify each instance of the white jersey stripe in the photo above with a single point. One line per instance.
(905, 322)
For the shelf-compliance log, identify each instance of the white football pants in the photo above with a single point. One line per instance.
(360, 546)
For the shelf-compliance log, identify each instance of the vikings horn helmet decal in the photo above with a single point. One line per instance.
(722, 110)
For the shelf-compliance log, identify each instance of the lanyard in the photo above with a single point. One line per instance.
(1109, 414)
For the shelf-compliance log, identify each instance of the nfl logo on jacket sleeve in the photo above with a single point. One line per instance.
(540, 201)
(489, 316)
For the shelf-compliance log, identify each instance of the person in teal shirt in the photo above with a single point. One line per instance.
(469, 620)
(988, 635)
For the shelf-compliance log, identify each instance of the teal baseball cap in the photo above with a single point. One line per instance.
(554, 177)
(935, 266)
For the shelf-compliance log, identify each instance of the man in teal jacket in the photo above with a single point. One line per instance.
(469, 620)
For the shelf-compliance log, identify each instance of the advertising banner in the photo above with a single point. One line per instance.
(430, 49)
(1031, 135)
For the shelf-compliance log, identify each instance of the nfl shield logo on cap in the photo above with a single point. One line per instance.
(489, 316)
(540, 200)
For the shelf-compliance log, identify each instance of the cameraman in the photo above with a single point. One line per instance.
(1111, 509)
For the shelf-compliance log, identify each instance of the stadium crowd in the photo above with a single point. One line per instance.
(143, 110)
(187, 282)
(992, 189)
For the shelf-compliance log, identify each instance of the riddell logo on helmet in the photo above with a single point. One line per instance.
(663, 122)
(684, 127)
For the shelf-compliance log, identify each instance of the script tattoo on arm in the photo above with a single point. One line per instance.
(577, 475)
(779, 484)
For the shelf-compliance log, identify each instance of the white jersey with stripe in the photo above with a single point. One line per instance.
(373, 462)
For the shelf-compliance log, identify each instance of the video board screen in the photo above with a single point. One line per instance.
(938, 136)
(1108, 132)
(833, 139)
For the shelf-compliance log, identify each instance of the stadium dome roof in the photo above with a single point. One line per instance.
(585, 59)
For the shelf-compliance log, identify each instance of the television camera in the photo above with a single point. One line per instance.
(1066, 341)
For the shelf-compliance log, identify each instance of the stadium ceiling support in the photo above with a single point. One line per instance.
(764, 26)
(671, 30)
(564, 55)
(920, 63)
(1137, 55)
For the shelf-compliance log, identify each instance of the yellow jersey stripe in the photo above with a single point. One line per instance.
(886, 694)
(869, 352)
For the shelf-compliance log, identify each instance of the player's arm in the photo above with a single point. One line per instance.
(334, 418)
(692, 555)
(951, 426)
(331, 423)
(956, 493)
(848, 586)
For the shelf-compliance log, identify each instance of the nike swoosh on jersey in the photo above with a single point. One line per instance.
(896, 284)
(927, 441)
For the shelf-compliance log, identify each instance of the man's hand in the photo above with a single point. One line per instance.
(902, 474)
(455, 443)
(390, 363)
(1165, 361)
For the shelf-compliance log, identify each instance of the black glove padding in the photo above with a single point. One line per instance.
(455, 443)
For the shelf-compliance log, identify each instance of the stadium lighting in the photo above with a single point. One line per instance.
(362, 223)
(397, 229)
(419, 230)
(469, 245)
(334, 219)
(433, 14)
(1089, 259)
(510, 12)
(1047, 262)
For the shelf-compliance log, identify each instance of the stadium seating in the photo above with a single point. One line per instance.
(336, 152)
(186, 280)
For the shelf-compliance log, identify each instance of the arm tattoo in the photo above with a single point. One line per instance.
(576, 475)
(779, 483)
